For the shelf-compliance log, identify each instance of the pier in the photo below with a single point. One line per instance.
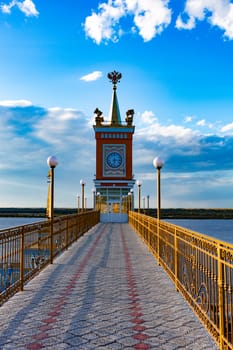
(106, 291)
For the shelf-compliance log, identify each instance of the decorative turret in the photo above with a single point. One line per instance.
(99, 118)
(129, 117)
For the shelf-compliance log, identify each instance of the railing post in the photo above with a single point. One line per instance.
(220, 297)
(158, 240)
(176, 259)
(77, 227)
(138, 223)
(148, 231)
(67, 232)
(22, 260)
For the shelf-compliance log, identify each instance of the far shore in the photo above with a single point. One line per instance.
(166, 213)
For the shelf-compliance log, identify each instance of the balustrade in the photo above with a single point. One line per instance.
(25, 250)
(201, 268)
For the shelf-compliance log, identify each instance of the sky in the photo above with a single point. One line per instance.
(177, 74)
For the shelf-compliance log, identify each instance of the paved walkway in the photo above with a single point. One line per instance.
(105, 292)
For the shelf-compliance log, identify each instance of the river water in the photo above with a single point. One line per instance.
(6, 222)
(220, 229)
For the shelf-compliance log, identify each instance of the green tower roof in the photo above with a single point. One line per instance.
(114, 113)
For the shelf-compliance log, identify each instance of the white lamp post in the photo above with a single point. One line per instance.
(144, 203)
(148, 201)
(132, 199)
(82, 183)
(93, 197)
(99, 200)
(129, 201)
(158, 164)
(78, 199)
(139, 184)
(52, 163)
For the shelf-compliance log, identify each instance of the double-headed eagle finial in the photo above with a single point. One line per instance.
(114, 77)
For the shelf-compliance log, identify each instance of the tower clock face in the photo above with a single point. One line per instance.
(114, 160)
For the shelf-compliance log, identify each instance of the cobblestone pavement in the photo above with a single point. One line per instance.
(105, 292)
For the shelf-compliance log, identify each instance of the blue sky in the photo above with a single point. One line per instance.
(176, 61)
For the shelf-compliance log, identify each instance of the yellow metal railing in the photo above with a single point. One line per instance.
(25, 250)
(201, 268)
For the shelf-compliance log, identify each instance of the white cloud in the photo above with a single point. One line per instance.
(103, 25)
(218, 12)
(190, 24)
(30, 134)
(56, 123)
(150, 18)
(92, 76)
(15, 103)
(149, 129)
(180, 134)
(7, 8)
(188, 118)
(227, 127)
(63, 114)
(201, 122)
(148, 117)
(168, 135)
(26, 6)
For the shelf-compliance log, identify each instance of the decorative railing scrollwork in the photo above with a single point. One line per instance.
(201, 268)
(25, 250)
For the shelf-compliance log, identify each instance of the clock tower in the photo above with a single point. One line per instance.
(114, 178)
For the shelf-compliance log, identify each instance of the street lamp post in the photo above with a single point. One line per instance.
(123, 204)
(93, 198)
(129, 201)
(139, 184)
(78, 198)
(132, 199)
(143, 202)
(158, 164)
(82, 183)
(52, 163)
(98, 201)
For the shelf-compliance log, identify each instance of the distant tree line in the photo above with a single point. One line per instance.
(34, 212)
(183, 213)
(171, 213)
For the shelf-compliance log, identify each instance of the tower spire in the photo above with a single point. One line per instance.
(114, 114)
